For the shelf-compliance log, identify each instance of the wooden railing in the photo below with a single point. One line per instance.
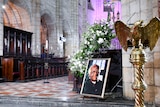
(32, 68)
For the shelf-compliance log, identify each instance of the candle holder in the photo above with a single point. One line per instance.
(46, 66)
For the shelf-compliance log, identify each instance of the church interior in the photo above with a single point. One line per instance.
(40, 39)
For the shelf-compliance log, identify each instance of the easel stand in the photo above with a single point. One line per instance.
(117, 85)
(113, 94)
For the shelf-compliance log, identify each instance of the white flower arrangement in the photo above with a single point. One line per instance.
(97, 36)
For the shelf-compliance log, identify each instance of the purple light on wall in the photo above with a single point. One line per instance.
(99, 14)
(115, 44)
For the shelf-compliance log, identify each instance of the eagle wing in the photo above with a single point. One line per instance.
(151, 32)
(123, 33)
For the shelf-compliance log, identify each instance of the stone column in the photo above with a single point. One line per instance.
(59, 23)
(35, 22)
(75, 31)
(1, 29)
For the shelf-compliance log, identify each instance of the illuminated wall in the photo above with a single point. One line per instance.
(98, 13)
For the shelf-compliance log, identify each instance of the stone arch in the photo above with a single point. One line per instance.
(16, 15)
(46, 15)
(45, 29)
(23, 4)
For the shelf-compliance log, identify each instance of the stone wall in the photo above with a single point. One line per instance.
(134, 10)
(61, 19)
(64, 23)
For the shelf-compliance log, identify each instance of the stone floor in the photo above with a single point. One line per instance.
(56, 88)
(57, 93)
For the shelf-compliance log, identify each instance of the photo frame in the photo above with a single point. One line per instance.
(94, 83)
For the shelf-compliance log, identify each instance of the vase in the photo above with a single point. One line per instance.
(77, 83)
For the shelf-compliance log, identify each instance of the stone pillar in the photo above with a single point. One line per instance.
(75, 24)
(53, 39)
(59, 27)
(35, 22)
(1, 29)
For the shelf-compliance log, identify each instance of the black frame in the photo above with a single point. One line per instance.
(104, 64)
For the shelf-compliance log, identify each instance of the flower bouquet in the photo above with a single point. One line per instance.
(96, 37)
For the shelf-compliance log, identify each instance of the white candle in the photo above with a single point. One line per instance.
(46, 45)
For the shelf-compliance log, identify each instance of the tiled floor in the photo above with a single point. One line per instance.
(57, 93)
(56, 88)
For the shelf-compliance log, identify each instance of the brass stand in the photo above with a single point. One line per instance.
(139, 35)
(137, 58)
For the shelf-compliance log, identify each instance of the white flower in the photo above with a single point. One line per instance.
(100, 40)
(90, 46)
(91, 39)
(85, 42)
(94, 36)
(92, 31)
(98, 35)
(106, 32)
(102, 33)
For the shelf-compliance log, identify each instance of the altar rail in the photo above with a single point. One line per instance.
(32, 68)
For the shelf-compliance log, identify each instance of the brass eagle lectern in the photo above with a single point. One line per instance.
(140, 36)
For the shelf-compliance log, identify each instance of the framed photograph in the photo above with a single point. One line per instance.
(95, 77)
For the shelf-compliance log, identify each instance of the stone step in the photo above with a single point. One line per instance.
(55, 102)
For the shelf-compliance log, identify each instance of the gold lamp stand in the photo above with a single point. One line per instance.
(137, 58)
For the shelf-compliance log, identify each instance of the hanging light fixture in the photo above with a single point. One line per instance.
(107, 6)
(118, 13)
